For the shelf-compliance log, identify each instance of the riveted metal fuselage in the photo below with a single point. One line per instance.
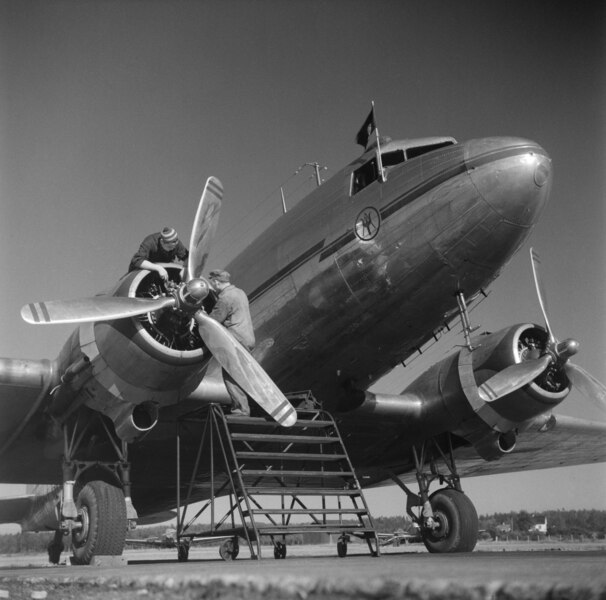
(344, 286)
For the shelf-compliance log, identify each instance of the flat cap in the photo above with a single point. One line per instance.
(220, 275)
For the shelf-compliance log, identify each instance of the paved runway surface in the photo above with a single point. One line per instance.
(316, 572)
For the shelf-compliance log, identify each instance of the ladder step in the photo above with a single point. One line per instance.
(309, 511)
(300, 491)
(289, 439)
(315, 527)
(284, 473)
(291, 456)
(263, 422)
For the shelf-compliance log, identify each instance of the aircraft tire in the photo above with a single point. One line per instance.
(102, 511)
(458, 519)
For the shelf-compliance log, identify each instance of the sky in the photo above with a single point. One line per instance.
(114, 113)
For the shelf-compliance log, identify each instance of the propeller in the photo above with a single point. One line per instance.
(557, 353)
(188, 298)
(245, 370)
(512, 378)
(97, 308)
(585, 383)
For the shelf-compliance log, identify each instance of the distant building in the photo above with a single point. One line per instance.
(504, 528)
(539, 525)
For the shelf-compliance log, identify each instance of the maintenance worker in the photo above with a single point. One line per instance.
(233, 312)
(161, 247)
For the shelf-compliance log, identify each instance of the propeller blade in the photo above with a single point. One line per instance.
(536, 262)
(586, 384)
(97, 308)
(205, 225)
(512, 378)
(245, 370)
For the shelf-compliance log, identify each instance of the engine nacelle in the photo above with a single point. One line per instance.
(128, 368)
(446, 397)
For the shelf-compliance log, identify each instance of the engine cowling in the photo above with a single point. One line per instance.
(131, 367)
(446, 397)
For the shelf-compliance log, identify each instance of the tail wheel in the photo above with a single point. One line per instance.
(457, 521)
(102, 515)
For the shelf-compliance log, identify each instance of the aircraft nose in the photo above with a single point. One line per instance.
(512, 174)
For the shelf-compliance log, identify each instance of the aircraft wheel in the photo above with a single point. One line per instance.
(102, 515)
(457, 519)
(229, 549)
(279, 550)
(342, 548)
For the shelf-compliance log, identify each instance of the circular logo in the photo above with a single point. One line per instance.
(368, 223)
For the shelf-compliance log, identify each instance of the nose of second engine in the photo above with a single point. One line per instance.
(513, 175)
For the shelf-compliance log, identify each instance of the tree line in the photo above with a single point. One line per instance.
(590, 524)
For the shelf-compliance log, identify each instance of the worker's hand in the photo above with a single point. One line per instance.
(162, 272)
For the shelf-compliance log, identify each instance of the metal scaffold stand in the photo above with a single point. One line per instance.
(279, 483)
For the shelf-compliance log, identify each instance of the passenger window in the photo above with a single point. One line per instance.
(364, 176)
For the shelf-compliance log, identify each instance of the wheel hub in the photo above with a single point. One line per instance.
(80, 535)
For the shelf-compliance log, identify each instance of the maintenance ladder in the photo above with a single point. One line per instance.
(281, 482)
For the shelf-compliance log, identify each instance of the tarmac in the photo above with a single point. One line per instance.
(493, 571)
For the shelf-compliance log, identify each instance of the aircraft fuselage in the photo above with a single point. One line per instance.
(342, 287)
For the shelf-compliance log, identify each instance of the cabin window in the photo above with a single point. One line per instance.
(364, 176)
(419, 150)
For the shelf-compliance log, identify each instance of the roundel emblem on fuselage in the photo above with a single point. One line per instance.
(368, 223)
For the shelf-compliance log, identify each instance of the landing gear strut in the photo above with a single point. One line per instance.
(447, 519)
(96, 507)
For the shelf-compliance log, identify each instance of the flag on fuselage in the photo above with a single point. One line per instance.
(366, 129)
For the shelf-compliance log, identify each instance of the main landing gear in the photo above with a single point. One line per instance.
(447, 519)
(96, 509)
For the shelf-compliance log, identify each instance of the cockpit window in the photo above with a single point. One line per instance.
(395, 157)
(419, 150)
(369, 171)
(364, 176)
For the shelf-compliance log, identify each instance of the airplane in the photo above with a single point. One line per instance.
(358, 277)
(167, 540)
(170, 539)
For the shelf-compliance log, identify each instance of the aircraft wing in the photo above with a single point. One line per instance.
(24, 385)
(547, 442)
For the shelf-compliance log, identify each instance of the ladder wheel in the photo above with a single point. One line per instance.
(279, 550)
(229, 549)
(183, 552)
(342, 548)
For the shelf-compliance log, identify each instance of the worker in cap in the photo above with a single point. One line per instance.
(233, 312)
(161, 247)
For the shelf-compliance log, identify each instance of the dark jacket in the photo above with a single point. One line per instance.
(151, 249)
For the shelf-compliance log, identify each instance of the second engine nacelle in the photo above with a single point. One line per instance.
(447, 398)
